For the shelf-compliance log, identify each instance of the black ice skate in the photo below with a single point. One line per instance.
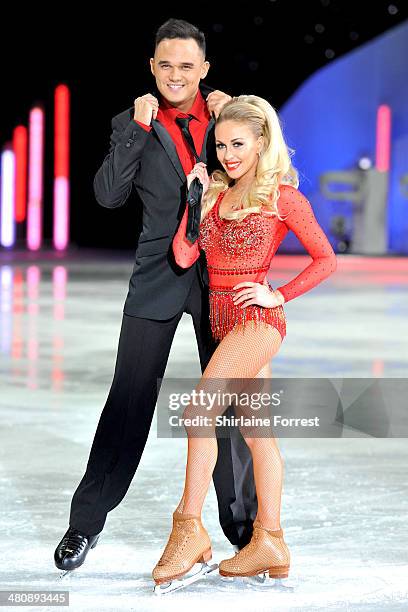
(72, 550)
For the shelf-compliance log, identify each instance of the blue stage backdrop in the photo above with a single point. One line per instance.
(331, 123)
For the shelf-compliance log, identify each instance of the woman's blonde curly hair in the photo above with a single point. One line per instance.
(274, 166)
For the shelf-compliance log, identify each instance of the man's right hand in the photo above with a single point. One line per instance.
(146, 108)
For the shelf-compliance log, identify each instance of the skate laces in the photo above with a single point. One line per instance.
(177, 540)
(74, 542)
(251, 544)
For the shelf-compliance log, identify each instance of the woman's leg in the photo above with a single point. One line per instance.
(241, 354)
(268, 466)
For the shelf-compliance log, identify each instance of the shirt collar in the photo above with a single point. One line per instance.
(198, 109)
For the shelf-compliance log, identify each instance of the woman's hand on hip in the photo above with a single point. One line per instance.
(257, 293)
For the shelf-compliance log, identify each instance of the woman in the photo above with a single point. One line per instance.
(246, 212)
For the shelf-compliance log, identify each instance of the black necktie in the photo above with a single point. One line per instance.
(183, 123)
(196, 189)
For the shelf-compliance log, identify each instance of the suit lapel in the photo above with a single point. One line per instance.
(203, 154)
(169, 147)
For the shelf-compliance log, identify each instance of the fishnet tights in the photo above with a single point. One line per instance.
(242, 353)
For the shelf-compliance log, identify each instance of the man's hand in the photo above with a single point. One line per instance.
(146, 108)
(216, 100)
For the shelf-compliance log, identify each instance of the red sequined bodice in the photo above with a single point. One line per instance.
(238, 251)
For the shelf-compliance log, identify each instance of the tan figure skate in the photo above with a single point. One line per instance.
(265, 553)
(188, 544)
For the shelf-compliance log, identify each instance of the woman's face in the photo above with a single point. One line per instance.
(237, 148)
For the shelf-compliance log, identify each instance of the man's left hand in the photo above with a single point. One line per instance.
(216, 100)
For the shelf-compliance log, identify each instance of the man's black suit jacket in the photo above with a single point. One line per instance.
(148, 162)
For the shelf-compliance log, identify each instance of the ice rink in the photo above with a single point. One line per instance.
(345, 500)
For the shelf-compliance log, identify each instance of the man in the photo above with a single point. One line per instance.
(151, 151)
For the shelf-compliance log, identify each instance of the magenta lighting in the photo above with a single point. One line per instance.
(35, 178)
(383, 144)
(61, 167)
(7, 234)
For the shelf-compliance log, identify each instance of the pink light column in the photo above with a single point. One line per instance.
(7, 223)
(383, 141)
(61, 167)
(35, 179)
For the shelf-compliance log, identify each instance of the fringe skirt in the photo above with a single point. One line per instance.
(225, 315)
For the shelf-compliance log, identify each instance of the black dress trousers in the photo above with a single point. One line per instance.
(123, 428)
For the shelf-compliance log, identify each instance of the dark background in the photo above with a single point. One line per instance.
(263, 47)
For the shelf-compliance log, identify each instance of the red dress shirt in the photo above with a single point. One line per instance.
(167, 116)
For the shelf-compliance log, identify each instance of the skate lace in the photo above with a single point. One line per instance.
(253, 543)
(74, 542)
(176, 543)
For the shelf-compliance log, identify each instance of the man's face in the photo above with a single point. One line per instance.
(178, 65)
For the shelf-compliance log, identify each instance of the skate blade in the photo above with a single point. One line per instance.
(263, 581)
(275, 584)
(180, 583)
(64, 574)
